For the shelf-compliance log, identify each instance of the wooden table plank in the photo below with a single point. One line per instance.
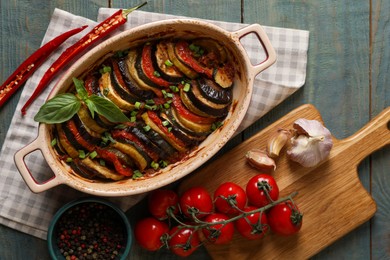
(380, 98)
(338, 83)
(337, 80)
(22, 25)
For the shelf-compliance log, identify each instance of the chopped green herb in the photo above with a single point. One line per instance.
(169, 129)
(154, 165)
(156, 73)
(107, 137)
(216, 125)
(53, 142)
(82, 154)
(137, 105)
(93, 155)
(187, 87)
(165, 123)
(167, 105)
(105, 69)
(147, 128)
(133, 113)
(163, 164)
(154, 107)
(102, 162)
(168, 63)
(133, 119)
(150, 101)
(69, 159)
(137, 174)
(174, 88)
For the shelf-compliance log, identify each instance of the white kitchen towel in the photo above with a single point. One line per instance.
(31, 213)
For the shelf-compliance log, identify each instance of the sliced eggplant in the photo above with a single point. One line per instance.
(186, 134)
(106, 87)
(163, 65)
(186, 56)
(120, 86)
(212, 47)
(131, 85)
(165, 150)
(133, 62)
(167, 136)
(203, 129)
(87, 120)
(65, 144)
(199, 105)
(94, 167)
(213, 92)
(178, 63)
(224, 76)
(140, 158)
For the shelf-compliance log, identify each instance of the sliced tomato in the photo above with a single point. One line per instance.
(185, 54)
(187, 114)
(71, 125)
(149, 70)
(116, 134)
(157, 120)
(111, 157)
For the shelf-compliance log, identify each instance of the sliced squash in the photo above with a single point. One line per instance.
(109, 92)
(131, 151)
(179, 64)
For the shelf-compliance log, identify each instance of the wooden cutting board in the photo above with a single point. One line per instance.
(331, 196)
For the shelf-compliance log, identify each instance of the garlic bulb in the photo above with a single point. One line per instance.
(311, 144)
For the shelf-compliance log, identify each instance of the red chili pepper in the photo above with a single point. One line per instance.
(99, 31)
(32, 63)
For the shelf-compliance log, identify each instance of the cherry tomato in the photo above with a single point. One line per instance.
(228, 194)
(250, 227)
(196, 199)
(148, 233)
(160, 200)
(285, 218)
(219, 233)
(256, 187)
(183, 241)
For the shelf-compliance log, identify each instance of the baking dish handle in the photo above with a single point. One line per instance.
(265, 42)
(31, 182)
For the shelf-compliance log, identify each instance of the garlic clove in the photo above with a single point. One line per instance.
(311, 144)
(260, 160)
(277, 141)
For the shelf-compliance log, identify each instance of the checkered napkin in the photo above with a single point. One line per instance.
(31, 213)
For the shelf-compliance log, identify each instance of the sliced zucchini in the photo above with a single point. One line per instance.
(196, 127)
(179, 64)
(172, 142)
(66, 145)
(224, 76)
(103, 171)
(109, 92)
(131, 61)
(87, 120)
(133, 152)
(204, 105)
(164, 65)
(131, 85)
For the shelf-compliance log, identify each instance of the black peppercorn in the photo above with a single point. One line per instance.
(90, 231)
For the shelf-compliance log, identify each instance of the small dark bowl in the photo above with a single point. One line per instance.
(118, 215)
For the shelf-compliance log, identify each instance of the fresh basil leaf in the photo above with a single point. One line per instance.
(81, 91)
(58, 109)
(108, 109)
(91, 106)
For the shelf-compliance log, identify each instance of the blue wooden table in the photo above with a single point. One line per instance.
(347, 80)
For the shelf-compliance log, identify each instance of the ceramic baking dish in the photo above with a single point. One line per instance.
(177, 28)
